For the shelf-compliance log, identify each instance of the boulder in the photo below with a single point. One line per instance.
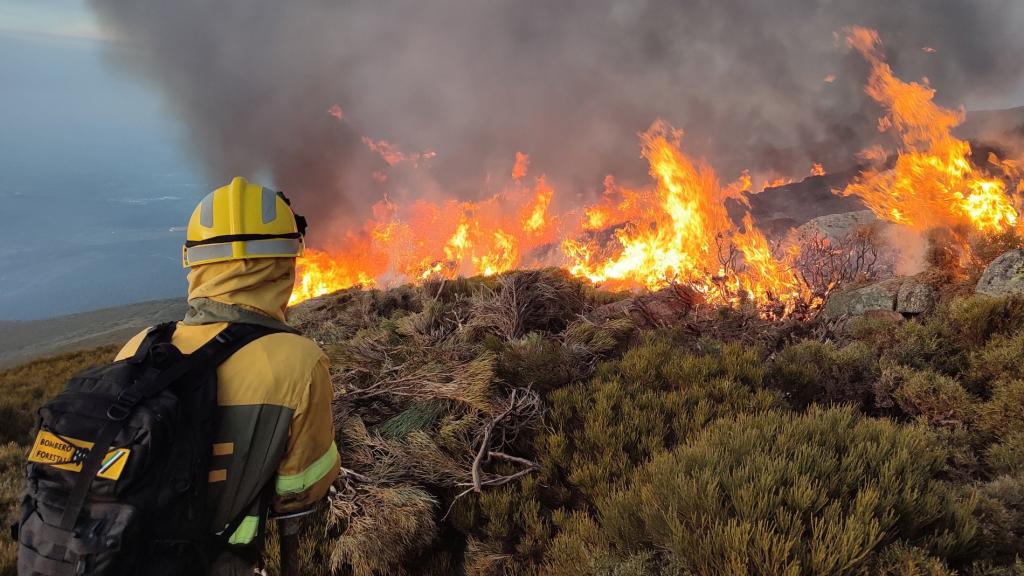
(854, 302)
(915, 297)
(836, 227)
(1004, 276)
(905, 296)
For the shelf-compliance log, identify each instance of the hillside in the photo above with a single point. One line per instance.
(532, 424)
(24, 341)
(619, 434)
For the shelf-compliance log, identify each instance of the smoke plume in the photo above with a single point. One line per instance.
(289, 90)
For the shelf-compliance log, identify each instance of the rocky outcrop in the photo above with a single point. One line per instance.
(915, 297)
(1004, 276)
(854, 302)
(836, 227)
(906, 296)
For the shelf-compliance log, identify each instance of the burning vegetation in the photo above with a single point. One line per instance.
(678, 231)
(933, 183)
(645, 385)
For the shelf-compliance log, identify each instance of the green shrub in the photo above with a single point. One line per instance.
(821, 372)
(945, 340)
(977, 318)
(873, 329)
(532, 361)
(923, 345)
(900, 560)
(779, 493)
(1000, 358)
(926, 394)
(1001, 517)
(652, 398)
(661, 452)
(1007, 457)
(1003, 414)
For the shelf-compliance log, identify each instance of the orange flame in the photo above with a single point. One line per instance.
(521, 166)
(933, 182)
(392, 155)
(535, 219)
(682, 233)
(424, 240)
(676, 231)
(319, 272)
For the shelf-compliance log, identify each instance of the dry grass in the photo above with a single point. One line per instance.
(25, 388)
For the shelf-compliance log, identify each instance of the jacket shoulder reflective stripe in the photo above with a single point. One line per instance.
(296, 483)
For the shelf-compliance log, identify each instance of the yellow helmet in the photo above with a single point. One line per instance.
(242, 220)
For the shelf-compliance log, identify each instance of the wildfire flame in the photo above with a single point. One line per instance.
(933, 183)
(392, 155)
(677, 229)
(680, 232)
(521, 166)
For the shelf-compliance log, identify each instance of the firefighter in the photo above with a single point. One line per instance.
(273, 452)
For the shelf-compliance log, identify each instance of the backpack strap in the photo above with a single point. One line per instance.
(211, 354)
(156, 334)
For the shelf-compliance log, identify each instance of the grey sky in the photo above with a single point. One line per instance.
(100, 168)
(64, 18)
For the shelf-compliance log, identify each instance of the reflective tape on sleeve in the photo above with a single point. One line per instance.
(246, 530)
(296, 483)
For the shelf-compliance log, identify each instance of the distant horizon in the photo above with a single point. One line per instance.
(97, 173)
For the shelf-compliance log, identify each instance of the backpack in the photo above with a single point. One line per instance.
(117, 475)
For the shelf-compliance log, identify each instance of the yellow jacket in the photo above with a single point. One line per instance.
(274, 424)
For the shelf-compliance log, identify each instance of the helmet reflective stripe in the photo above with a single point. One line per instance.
(207, 253)
(242, 220)
(269, 205)
(273, 247)
(206, 211)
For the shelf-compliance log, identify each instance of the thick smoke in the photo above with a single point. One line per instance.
(570, 82)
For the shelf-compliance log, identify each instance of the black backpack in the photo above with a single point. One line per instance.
(117, 476)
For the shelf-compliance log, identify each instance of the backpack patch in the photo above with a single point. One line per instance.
(68, 454)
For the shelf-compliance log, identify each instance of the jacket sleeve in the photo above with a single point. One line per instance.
(311, 462)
